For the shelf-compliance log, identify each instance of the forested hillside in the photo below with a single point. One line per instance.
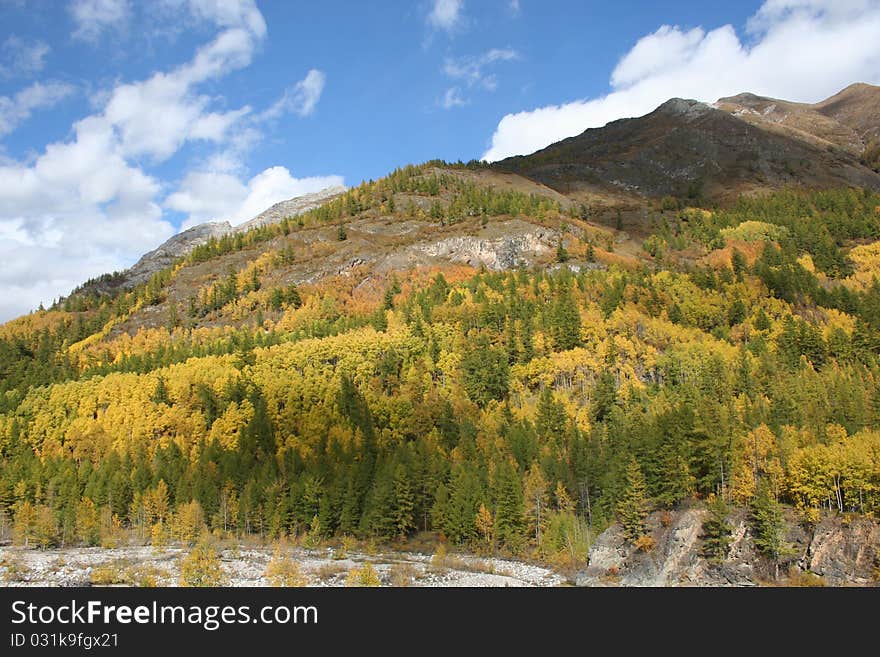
(728, 354)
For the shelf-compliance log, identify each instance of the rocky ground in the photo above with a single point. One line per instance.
(838, 550)
(143, 565)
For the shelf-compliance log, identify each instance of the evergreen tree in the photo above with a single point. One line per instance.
(510, 522)
(403, 501)
(566, 323)
(604, 396)
(768, 524)
(486, 372)
(632, 506)
(551, 418)
(716, 534)
(561, 252)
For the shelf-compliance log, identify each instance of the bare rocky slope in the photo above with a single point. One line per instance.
(183, 243)
(849, 119)
(174, 247)
(797, 120)
(291, 208)
(857, 106)
(837, 551)
(744, 143)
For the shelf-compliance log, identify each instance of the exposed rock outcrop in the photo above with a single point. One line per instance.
(184, 242)
(838, 551)
(291, 208)
(506, 252)
(176, 246)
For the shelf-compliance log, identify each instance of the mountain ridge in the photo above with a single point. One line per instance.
(740, 144)
(460, 355)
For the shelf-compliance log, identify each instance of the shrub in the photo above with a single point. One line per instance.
(201, 567)
(644, 543)
(283, 571)
(402, 574)
(366, 575)
(13, 569)
(107, 575)
(329, 571)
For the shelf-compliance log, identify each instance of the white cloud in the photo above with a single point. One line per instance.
(471, 69)
(78, 211)
(81, 207)
(39, 95)
(656, 53)
(219, 13)
(301, 98)
(514, 7)
(446, 15)
(220, 196)
(132, 108)
(452, 98)
(93, 17)
(19, 58)
(801, 50)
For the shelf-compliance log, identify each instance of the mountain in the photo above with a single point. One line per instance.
(173, 248)
(849, 119)
(534, 357)
(182, 244)
(857, 106)
(291, 208)
(797, 120)
(688, 149)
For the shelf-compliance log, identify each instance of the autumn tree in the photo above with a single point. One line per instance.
(88, 522)
(486, 526)
(365, 576)
(189, 522)
(201, 567)
(284, 571)
(536, 496)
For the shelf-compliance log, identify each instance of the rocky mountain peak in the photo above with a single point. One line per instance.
(292, 207)
(684, 107)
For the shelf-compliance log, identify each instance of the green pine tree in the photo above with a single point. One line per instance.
(768, 525)
(404, 504)
(717, 531)
(632, 506)
(566, 323)
(510, 520)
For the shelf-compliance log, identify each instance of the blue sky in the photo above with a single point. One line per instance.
(122, 122)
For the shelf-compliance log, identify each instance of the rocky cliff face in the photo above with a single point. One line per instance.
(838, 551)
(178, 245)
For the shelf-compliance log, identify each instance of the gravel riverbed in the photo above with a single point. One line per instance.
(247, 566)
